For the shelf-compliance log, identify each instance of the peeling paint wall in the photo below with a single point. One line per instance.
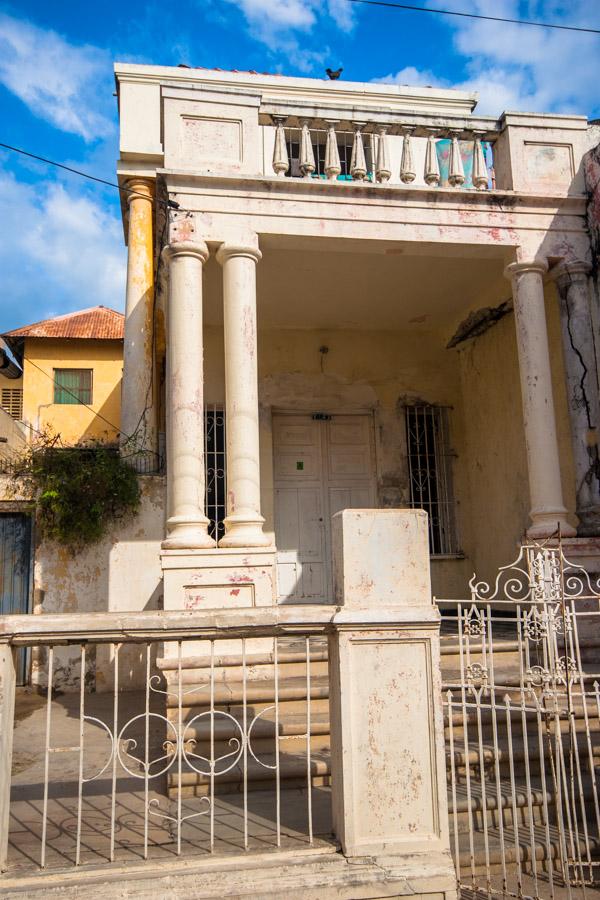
(119, 573)
(363, 371)
(494, 439)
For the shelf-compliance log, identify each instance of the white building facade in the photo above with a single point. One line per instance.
(316, 247)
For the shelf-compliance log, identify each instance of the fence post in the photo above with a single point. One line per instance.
(7, 717)
(387, 732)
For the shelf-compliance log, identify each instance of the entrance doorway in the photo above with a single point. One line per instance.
(15, 570)
(322, 464)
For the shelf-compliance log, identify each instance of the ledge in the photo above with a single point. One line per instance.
(174, 625)
(469, 197)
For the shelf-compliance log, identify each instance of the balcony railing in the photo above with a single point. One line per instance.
(456, 157)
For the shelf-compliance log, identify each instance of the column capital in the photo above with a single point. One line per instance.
(228, 250)
(139, 188)
(570, 270)
(513, 270)
(196, 249)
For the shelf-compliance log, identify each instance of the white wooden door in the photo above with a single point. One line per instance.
(321, 465)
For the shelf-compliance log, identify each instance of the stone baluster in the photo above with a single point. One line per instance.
(307, 156)
(480, 172)
(407, 164)
(333, 167)
(456, 172)
(281, 162)
(358, 163)
(383, 171)
(432, 166)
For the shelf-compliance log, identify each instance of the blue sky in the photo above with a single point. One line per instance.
(62, 244)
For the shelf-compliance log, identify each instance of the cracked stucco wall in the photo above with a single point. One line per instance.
(121, 572)
(495, 439)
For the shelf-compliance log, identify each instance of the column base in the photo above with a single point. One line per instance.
(218, 579)
(589, 522)
(545, 524)
(244, 531)
(188, 534)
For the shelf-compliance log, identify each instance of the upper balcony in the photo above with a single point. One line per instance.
(237, 124)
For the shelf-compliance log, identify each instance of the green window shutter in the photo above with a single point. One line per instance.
(73, 386)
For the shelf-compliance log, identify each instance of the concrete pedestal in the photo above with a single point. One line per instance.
(387, 737)
(218, 579)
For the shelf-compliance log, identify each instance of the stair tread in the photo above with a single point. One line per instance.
(263, 690)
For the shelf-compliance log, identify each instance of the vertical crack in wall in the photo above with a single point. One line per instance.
(582, 401)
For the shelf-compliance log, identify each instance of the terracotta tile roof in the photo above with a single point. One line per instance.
(95, 323)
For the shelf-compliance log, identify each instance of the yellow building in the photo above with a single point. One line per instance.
(71, 379)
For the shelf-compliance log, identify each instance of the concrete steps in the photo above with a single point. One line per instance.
(471, 811)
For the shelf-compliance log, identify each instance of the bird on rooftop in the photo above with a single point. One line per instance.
(334, 74)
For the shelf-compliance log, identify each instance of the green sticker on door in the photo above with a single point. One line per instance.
(300, 465)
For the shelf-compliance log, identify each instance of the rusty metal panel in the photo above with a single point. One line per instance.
(15, 569)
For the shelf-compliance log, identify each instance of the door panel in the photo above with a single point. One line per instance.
(349, 498)
(15, 561)
(321, 466)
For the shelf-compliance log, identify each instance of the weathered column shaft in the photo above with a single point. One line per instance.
(243, 524)
(547, 507)
(138, 414)
(187, 524)
(582, 389)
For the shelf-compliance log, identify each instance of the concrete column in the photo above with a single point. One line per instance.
(388, 762)
(243, 524)
(7, 724)
(187, 525)
(547, 507)
(582, 388)
(138, 413)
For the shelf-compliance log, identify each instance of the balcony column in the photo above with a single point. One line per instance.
(138, 412)
(547, 507)
(187, 525)
(243, 524)
(582, 388)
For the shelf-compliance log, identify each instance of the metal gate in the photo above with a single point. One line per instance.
(522, 703)
(15, 567)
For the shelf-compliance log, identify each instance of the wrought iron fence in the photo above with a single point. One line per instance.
(523, 729)
(150, 748)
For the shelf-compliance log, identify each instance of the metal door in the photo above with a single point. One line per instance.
(15, 569)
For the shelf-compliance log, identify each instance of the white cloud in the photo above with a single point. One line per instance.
(60, 82)
(276, 25)
(61, 251)
(522, 67)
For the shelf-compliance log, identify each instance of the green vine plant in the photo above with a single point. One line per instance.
(78, 491)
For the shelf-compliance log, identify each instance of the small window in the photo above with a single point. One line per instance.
(12, 401)
(430, 474)
(73, 386)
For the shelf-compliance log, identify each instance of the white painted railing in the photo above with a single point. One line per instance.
(148, 750)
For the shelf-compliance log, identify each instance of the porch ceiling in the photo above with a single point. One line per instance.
(375, 285)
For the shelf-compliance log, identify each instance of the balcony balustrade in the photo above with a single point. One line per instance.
(362, 151)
